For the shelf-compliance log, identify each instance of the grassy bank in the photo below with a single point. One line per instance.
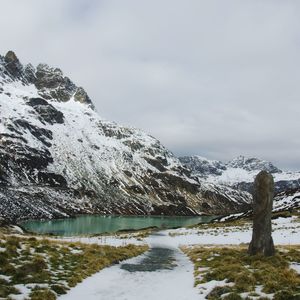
(230, 273)
(43, 269)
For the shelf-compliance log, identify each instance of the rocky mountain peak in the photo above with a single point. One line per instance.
(202, 166)
(252, 164)
(29, 71)
(11, 57)
(82, 96)
(50, 82)
(13, 65)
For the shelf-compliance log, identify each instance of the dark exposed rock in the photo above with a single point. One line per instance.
(201, 166)
(127, 173)
(133, 145)
(47, 77)
(41, 134)
(216, 203)
(286, 185)
(13, 65)
(173, 210)
(93, 146)
(37, 101)
(52, 84)
(157, 163)
(178, 182)
(47, 112)
(262, 241)
(29, 73)
(52, 179)
(81, 96)
(84, 192)
(205, 206)
(114, 182)
(184, 171)
(33, 159)
(12, 128)
(136, 189)
(112, 130)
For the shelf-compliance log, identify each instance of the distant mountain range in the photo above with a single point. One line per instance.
(239, 174)
(58, 158)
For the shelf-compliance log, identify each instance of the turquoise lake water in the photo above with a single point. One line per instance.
(96, 224)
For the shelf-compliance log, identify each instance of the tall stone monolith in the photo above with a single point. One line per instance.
(263, 194)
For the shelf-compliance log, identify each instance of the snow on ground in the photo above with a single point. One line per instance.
(114, 283)
(285, 232)
(296, 267)
(117, 241)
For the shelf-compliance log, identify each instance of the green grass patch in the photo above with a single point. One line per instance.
(245, 272)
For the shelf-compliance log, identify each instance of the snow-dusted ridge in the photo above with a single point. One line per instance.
(59, 158)
(239, 174)
(240, 169)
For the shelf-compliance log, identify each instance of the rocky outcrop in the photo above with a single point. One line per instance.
(46, 112)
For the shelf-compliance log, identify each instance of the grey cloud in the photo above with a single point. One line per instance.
(215, 78)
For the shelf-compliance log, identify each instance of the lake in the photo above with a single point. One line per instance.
(97, 224)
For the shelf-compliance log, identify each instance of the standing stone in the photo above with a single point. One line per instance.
(263, 193)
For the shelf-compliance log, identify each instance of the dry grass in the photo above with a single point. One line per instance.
(246, 273)
(53, 267)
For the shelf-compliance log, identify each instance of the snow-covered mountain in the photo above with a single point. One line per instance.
(59, 158)
(240, 172)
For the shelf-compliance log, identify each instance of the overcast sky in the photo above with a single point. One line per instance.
(214, 78)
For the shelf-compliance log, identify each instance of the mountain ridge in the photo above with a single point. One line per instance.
(239, 174)
(59, 158)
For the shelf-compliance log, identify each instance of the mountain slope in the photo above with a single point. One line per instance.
(59, 158)
(239, 174)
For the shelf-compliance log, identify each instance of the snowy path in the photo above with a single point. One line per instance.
(115, 283)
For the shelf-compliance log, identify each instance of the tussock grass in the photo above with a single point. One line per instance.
(245, 273)
(42, 294)
(53, 267)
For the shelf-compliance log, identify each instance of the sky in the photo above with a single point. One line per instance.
(213, 78)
